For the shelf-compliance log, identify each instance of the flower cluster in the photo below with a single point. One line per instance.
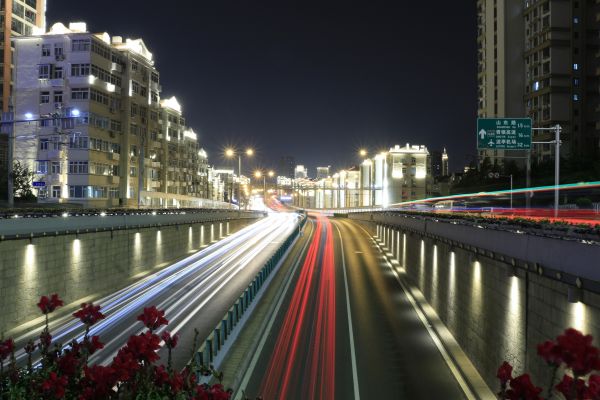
(571, 352)
(65, 373)
(49, 304)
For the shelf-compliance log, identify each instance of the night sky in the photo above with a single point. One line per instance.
(316, 80)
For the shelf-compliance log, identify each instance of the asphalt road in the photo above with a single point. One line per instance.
(195, 292)
(315, 351)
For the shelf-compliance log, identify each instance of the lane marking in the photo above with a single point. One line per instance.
(350, 328)
(358, 252)
(434, 336)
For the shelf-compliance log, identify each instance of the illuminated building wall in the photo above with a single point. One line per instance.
(124, 143)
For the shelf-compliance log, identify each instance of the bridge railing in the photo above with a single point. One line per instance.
(216, 344)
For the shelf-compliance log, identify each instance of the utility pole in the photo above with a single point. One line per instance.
(557, 129)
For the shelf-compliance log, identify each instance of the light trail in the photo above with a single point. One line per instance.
(183, 289)
(309, 323)
(567, 186)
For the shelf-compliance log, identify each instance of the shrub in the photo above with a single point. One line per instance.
(64, 373)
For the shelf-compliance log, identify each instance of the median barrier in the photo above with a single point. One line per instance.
(232, 322)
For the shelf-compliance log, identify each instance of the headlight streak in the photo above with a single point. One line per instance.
(219, 258)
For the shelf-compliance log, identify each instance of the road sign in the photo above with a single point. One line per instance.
(39, 184)
(504, 133)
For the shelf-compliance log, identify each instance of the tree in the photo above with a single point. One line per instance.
(22, 179)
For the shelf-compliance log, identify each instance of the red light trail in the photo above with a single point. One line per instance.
(305, 346)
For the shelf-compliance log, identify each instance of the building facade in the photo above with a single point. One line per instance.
(402, 174)
(19, 17)
(323, 172)
(539, 59)
(100, 134)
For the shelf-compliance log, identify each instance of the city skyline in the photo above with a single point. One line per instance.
(279, 74)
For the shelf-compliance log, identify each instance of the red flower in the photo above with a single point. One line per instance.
(6, 348)
(504, 373)
(54, 386)
(99, 381)
(161, 376)
(89, 314)
(29, 347)
(153, 318)
(170, 341)
(47, 305)
(125, 364)
(566, 388)
(593, 389)
(67, 364)
(93, 344)
(176, 382)
(550, 352)
(218, 393)
(578, 352)
(45, 339)
(521, 388)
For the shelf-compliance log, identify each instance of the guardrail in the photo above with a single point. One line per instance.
(233, 321)
(29, 227)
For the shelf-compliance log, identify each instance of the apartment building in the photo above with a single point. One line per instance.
(100, 134)
(18, 17)
(398, 175)
(539, 59)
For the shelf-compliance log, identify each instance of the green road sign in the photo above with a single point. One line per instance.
(504, 133)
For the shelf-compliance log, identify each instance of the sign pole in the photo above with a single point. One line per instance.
(557, 169)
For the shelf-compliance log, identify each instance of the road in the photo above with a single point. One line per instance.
(348, 330)
(195, 292)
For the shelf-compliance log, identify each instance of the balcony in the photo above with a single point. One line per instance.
(54, 83)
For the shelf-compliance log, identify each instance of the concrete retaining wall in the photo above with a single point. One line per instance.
(92, 264)
(496, 311)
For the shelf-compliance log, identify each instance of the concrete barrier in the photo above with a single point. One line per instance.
(86, 266)
(491, 289)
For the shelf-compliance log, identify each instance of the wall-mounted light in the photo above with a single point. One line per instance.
(574, 294)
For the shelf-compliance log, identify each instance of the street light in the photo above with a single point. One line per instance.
(229, 153)
(363, 152)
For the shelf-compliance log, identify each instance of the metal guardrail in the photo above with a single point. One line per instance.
(232, 320)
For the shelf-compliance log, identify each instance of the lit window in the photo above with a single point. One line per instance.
(576, 66)
(536, 86)
(576, 97)
(576, 20)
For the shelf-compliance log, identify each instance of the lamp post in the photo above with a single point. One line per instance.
(7, 125)
(229, 153)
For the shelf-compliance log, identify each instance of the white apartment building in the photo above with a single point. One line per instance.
(399, 175)
(100, 135)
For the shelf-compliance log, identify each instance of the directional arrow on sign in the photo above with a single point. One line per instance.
(482, 133)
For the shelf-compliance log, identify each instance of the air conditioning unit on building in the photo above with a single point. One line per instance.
(60, 57)
(111, 134)
(58, 105)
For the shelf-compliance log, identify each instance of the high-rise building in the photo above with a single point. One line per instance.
(439, 163)
(286, 166)
(539, 59)
(323, 172)
(19, 17)
(500, 71)
(106, 138)
(300, 172)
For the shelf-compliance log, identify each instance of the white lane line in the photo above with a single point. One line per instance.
(434, 336)
(350, 328)
(267, 331)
